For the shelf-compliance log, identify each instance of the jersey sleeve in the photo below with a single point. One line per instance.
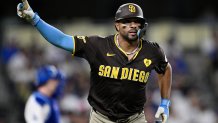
(34, 112)
(86, 47)
(162, 62)
(80, 42)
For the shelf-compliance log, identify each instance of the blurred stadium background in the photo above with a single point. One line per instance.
(186, 29)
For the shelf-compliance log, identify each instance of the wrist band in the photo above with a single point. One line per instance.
(165, 102)
(35, 19)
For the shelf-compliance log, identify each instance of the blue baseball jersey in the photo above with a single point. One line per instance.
(42, 109)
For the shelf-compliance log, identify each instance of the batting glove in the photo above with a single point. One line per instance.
(25, 11)
(163, 110)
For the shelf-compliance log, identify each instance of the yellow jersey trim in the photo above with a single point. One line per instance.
(140, 47)
(74, 46)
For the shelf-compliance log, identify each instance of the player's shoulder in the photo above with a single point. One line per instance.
(40, 99)
(151, 44)
(100, 38)
(93, 38)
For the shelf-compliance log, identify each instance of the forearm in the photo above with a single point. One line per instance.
(55, 36)
(165, 82)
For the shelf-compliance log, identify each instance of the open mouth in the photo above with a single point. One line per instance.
(133, 32)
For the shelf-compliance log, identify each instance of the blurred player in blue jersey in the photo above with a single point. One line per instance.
(42, 106)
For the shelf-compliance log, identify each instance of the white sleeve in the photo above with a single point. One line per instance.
(34, 112)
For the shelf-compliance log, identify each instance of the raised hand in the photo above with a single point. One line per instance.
(25, 11)
(25, 4)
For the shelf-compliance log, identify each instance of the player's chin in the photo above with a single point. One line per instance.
(133, 37)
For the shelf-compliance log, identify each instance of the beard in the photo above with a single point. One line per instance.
(129, 36)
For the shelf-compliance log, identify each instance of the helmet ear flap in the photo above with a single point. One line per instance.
(142, 31)
(144, 25)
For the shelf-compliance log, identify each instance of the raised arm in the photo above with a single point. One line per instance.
(50, 33)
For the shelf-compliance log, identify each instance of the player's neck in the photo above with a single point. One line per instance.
(130, 47)
(44, 91)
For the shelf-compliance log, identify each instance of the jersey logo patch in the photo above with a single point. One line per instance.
(147, 62)
(110, 54)
(82, 38)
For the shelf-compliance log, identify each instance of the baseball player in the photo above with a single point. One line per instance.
(120, 65)
(42, 106)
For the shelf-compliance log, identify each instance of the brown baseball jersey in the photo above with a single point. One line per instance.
(117, 87)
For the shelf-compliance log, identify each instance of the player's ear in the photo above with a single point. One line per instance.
(117, 26)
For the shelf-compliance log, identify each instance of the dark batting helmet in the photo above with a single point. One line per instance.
(130, 10)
